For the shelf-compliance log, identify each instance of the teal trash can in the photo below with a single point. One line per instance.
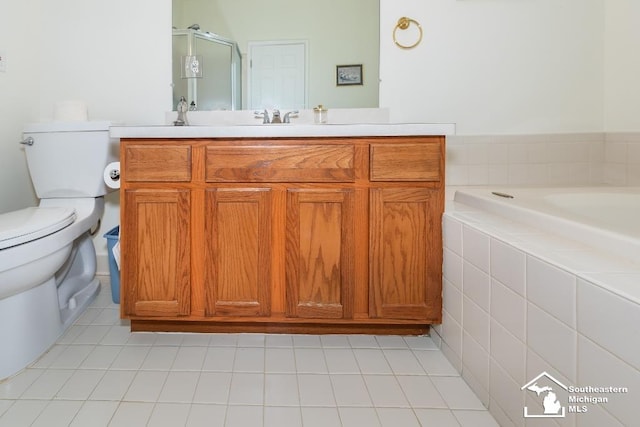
(112, 238)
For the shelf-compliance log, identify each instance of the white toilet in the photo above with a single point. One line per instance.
(47, 257)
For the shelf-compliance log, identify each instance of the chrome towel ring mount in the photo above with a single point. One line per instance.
(403, 24)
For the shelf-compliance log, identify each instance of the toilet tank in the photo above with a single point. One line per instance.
(67, 159)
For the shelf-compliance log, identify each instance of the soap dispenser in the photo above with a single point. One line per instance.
(182, 108)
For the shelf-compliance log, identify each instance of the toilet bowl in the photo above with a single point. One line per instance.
(47, 256)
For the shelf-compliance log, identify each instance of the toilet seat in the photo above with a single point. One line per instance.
(26, 225)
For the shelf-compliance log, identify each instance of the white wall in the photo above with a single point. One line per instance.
(114, 55)
(497, 66)
(622, 66)
(19, 94)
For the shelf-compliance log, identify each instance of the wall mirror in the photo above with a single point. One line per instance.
(276, 54)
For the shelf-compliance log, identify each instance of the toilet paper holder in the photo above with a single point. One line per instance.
(111, 175)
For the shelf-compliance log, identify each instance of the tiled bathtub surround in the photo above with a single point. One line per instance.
(622, 159)
(519, 302)
(546, 159)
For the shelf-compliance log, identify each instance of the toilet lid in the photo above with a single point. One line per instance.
(30, 224)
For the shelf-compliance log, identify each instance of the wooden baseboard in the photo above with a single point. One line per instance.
(279, 327)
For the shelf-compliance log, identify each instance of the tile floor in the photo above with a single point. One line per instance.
(101, 374)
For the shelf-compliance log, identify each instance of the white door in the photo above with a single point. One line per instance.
(277, 75)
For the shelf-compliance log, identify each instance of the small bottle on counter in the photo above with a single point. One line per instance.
(320, 114)
(182, 108)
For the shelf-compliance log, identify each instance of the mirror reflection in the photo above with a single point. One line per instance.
(246, 54)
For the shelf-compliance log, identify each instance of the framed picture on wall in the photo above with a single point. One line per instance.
(349, 75)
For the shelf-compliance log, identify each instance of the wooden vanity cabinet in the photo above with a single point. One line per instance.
(155, 232)
(311, 235)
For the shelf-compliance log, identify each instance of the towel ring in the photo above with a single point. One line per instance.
(403, 24)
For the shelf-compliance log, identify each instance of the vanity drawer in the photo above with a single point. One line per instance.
(157, 163)
(406, 162)
(281, 163)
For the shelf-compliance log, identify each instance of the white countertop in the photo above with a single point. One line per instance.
(283, 130)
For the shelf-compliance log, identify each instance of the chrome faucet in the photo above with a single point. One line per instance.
(276, 116)
(287, 116)
(264, 115)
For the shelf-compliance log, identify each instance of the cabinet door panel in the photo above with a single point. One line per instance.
(406, 257)
(421, 161)
(320, 253)
(238, 251)
(294, 163)
(157, 163)
(156, 255)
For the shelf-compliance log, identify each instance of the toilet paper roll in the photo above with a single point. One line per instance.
(111, 175)
(70, 111)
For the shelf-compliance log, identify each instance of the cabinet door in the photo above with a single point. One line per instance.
(238, 251)
(155, 254)
(406, 257)
(320, 253)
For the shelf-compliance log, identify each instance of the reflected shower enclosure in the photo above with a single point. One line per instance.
(207, 71)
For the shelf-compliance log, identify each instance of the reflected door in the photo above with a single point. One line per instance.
(277, 75)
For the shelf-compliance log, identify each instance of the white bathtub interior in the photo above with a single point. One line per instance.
(616, 210)
(603, 217)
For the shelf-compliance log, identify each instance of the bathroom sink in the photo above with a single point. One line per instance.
(356, 122)
(341, 116)
(283, 130)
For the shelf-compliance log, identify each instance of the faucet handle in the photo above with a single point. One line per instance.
(264, 115)
(288, 116)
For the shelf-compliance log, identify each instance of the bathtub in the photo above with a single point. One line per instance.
(543, 280)
(607, 218)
